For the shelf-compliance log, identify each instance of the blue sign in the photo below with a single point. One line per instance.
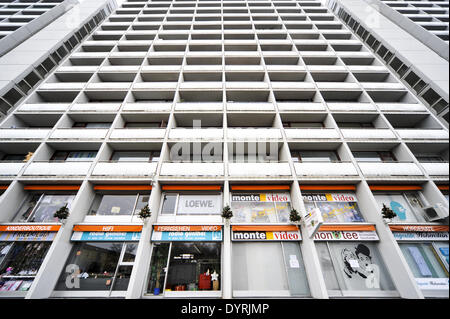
(106, 236)
(187, 236)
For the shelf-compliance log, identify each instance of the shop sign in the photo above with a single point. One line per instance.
(346, 236)
(107, 228)
(262, 197)
(330, 197)
(266, 236)
(313, 220)
(198, 204)
(187, 236)
(184, 228)
(433, 283)
(420, 236)
(106, 236)
(29, 228)
(419, 228)
(27, 236)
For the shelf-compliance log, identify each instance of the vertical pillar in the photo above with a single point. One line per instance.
(226, 267)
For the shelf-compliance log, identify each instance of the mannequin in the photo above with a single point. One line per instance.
(215, 280)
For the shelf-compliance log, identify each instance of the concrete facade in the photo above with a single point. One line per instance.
(266, 106)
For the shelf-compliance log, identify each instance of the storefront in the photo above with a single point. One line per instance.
(406, 201)
(100, 262)
(260, 204)
(22, 251)
(186, 261)
(267, 262)
(351, 263)
(426, 250)
(337, 204)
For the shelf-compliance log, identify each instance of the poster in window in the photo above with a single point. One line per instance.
(199, 204)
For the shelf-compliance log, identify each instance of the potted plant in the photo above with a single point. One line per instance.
(387, 213)
(145, 213)
(62, 214)
(294, 216)
(227, 213)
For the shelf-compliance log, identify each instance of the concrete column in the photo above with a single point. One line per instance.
(138, 278)
(310, 258)
(226, 258)
(389, 250)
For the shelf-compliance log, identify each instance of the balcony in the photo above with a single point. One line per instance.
(250, 106)
(44, 107)
(368, 134)
(292, 106)
(10, 168)
(421, 134)
(147, 107)
(311, 133)
(436, 169)
(125, 169)
(401, 107)
(198, 134)
(192, 169)
(24, 133)
(126, 133)
(95, 107)
(351, 107)
(254, 133)
(80, 134)
(325, 169)
(200, 106)
(259, 169)
(58, 169)
(371, 169)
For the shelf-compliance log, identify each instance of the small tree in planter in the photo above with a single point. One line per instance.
(294, 216)
(62, 214)
(387, 213)
(145, 213)
(227, 213)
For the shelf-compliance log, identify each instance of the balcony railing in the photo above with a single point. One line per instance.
(387, 169)
(325, 169)
(79, 133)
(368, 133)
(254, 133)
(436, 169)
(205, 133)
(124, 169)
(311, 133)
(10, 168)
(141, 133)
(259, 169)
(192, 169)
(55, 168)
(423, 134)
(23, 133)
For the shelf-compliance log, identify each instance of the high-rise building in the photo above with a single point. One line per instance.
(411, 38)
(172, 152)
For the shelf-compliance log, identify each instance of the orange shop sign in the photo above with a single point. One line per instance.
(29, 228)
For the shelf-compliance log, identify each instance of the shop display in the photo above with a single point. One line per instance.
(406, 206)
(19, 264)
(40, 208)
(335, 207)
(353, 268)
(260, 208)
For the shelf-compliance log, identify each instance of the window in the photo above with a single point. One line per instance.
(14, 157)
(260, 208)
(99, 266)
(191, 204)
(192, 266)
(271, 269)
(304, 124)
(75, 156)
(354, 125)
(118, 205)
(135, 156)
(92, 125)
(430, 158)
(315, 156)
(19, 264)
(161, 124)
(427, 261)
(353, 269)
(407, 206)
(374, 157)
(40, 208)
(335, 207)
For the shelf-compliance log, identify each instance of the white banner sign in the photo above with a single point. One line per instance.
(433, 283)
(421, 236)
(346, 236)
(200, 204)
(313, 220)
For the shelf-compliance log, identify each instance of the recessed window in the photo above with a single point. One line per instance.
(118, 204)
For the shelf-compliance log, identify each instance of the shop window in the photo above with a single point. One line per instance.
(260, 207)
(354, 269)
(268, 269)
(77, 156)
(19, 264)
(40, 207)
(427, 261)
(118, 204)
(191, 204)
(315, 156)
(192, 266)
(98, 266)
(407, 206)
(334, 207)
